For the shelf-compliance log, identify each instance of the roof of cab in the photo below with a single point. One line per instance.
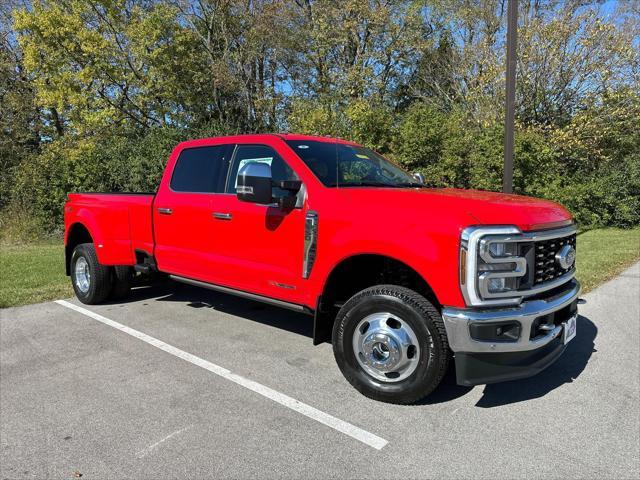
(256, 137)
(297, 136)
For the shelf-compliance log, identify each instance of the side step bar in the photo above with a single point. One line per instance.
(240, 293)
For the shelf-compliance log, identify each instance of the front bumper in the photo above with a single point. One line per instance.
(538, 343)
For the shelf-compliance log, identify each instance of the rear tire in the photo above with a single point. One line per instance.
(390, 344)
(91, 281)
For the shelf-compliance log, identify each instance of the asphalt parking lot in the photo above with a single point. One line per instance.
(79, 396)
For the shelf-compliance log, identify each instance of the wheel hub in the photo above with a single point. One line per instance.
(82, 275)
(386, 347)
(381, 351)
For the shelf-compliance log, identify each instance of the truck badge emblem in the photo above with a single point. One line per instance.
(566, 257)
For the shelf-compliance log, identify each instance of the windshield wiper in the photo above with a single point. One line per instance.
(411, 184)
(369, 183)
(365, 184)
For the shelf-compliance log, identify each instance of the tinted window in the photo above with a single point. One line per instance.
(202, 169)
(263, 154)
(339, 164)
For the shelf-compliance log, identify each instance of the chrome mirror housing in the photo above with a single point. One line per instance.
(419, 177)
(254, 183)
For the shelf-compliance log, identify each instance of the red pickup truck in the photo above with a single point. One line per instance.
(400, 277)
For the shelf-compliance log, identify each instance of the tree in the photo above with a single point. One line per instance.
(106, 63)
(567, 51)
(245, 46)
(354, 50)
(20, 127)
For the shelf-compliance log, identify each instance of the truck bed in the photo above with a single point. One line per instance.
(120, 222)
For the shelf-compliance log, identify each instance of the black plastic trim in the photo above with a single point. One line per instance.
(482, 368)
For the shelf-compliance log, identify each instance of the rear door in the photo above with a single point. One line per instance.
(182, 211)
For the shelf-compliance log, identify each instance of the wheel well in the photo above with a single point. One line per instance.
(78, 234)
(357, 273)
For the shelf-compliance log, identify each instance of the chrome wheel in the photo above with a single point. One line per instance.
(386, 347)
(82, 276)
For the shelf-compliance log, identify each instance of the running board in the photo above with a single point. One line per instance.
(240, 293)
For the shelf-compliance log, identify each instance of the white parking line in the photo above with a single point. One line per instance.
(146, 451)
(359, 434)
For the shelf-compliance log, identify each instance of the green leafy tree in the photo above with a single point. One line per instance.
(20, 127)
(111, 63)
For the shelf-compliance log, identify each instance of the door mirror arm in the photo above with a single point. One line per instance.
(291, 185)
(288, 202)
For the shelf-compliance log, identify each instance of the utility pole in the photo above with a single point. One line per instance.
(510, 101)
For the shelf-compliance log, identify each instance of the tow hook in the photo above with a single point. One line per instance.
(581, 301)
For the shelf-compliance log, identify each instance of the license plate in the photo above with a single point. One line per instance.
(569, 330)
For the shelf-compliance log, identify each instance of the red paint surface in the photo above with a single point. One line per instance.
(263, 246)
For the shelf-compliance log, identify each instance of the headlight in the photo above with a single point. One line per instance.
(493, 265)
(503, 265)
(502, 249)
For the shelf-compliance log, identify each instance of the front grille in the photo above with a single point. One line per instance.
(546, 267)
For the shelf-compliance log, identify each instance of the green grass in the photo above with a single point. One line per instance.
(32, 273)
(604, 253)
(35, 273)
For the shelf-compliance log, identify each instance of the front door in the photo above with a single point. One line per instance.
(260, 247)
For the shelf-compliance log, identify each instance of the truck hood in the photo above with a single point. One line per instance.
(483, 208)
(491, 208)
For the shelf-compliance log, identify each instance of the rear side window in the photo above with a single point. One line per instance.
(201, 170)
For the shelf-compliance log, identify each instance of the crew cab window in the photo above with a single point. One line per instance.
(260, 154)
(201, 170)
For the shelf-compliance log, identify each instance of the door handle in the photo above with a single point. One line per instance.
(222, 216)
(165, 211)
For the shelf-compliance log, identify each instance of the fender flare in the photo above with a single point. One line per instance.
(84, 219)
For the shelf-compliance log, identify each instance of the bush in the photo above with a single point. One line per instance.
(18, 225)
(609, 196)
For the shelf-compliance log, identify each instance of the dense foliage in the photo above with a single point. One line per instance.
(94, 93)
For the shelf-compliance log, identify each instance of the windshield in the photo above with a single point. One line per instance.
(338, 164)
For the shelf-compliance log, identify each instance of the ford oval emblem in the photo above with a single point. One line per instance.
(566, 257)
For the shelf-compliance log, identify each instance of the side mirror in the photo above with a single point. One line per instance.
(419, 177)
(254, 183)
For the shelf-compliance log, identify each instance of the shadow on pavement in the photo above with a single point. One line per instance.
(567, 368)
(448, 390)
(196, 297)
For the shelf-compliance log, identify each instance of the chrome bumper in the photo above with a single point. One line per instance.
(457, 321)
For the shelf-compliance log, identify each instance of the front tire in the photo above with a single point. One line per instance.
(390, 344)
(91, 281)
